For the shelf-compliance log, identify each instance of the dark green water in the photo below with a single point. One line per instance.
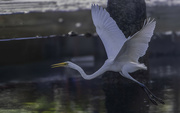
(36, 88)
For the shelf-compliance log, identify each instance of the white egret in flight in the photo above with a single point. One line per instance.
(123, 53)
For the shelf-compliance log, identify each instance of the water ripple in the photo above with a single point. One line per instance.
(26, 6)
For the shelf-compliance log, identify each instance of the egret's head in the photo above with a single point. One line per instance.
(63, 64)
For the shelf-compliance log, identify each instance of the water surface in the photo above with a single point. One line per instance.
(37, 88)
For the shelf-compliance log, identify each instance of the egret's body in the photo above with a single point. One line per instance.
(123, 53)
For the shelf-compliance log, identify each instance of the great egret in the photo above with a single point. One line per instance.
(122, 53)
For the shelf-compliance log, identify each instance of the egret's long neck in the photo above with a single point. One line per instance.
(89, 77)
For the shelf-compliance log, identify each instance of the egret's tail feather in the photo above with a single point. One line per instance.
(143, 66)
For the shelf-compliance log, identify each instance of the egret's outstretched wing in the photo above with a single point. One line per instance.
(107, 29)
(137, 45)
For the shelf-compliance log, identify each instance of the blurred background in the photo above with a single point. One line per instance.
(37, 33)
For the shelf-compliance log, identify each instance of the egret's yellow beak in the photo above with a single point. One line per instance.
(59, 65)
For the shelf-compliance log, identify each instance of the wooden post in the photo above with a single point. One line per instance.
(128, 14)
(123, 95)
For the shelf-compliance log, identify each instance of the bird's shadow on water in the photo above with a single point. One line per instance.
(123, 95)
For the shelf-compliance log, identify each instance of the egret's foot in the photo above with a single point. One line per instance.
(151, 96)
(161, 101)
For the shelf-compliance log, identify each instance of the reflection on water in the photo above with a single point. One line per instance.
(65, 91)
(165, 73)
(69, 96)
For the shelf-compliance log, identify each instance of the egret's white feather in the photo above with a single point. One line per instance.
(137, 45)
(107, 29)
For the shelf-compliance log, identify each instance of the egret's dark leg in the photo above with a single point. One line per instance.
(151, 96)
